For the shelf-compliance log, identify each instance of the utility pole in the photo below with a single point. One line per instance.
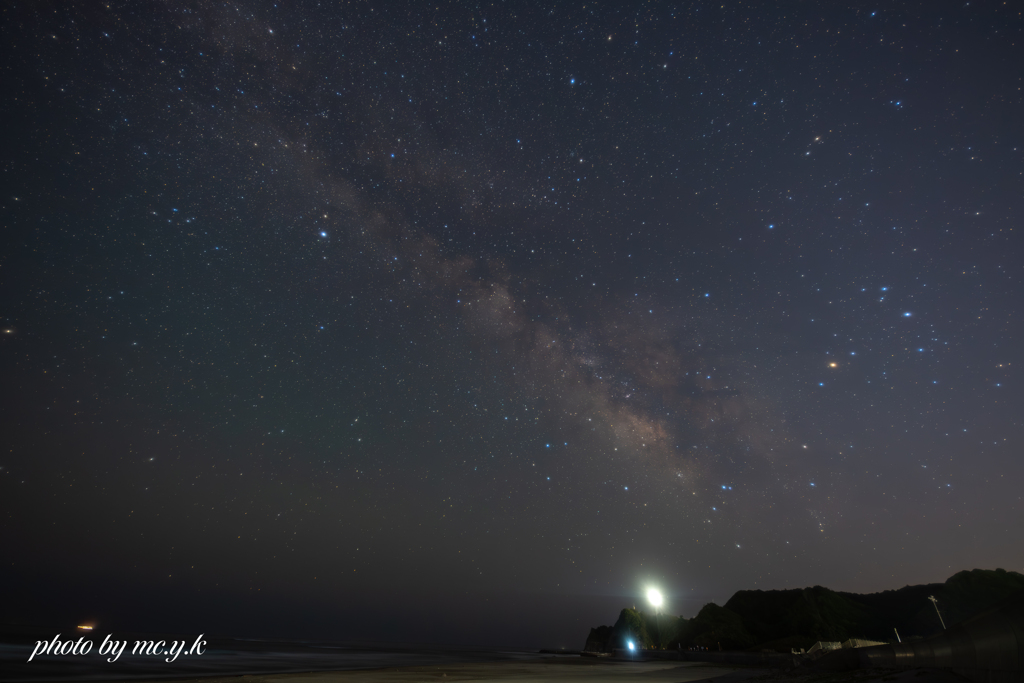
(935, 604)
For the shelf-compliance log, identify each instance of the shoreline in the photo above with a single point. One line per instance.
(544, 669)
(556, 669)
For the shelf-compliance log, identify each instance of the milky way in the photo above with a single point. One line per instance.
(499, 309)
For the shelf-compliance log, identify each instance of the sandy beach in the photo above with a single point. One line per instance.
(548, 670)
(573, 670)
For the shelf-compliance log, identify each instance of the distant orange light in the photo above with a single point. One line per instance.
(833, 365)
(83, 627)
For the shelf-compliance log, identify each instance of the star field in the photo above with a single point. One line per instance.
(455, 313)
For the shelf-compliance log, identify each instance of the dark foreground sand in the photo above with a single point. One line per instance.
(580, 670)
(545, 670)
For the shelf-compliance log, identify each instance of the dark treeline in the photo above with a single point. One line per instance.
(784, 619)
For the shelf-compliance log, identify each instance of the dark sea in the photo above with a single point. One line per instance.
(222, 656)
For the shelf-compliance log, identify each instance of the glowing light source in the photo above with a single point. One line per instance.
(654, 597)
(631, 646)
(84, 627)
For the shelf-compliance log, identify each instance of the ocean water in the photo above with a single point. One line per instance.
(226, 657)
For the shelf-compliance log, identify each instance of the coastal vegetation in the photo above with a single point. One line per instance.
(797, 618)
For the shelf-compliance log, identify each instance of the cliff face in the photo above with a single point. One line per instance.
(631, 626)
(598, 640)
(796, 618)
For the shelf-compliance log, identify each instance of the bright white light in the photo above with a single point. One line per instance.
(654, 597)
(630, 644)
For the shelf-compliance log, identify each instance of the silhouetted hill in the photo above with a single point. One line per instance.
(910, 611)
(816, 612)
(781, 619)
(968, 592)
(716, 626)
(906, 609)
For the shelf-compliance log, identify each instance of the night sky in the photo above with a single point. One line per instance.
(465, 322)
